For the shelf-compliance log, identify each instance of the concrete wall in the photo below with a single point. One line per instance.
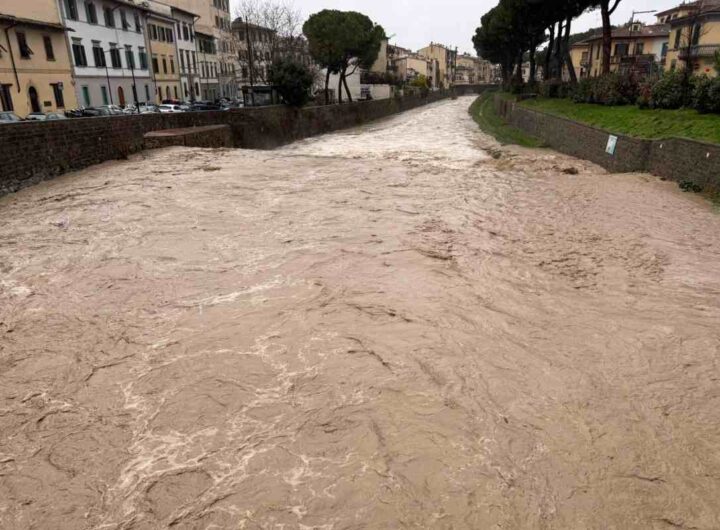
(34, 151)
(675, 158)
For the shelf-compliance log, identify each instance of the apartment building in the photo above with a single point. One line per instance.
(109, 52)
(213, 21)
(187, 53)
(35, 71)
(641, 48)
(694, 36)
(207, 66)
(409, 66)
(446, 59)
(162, 43)
(473, 70)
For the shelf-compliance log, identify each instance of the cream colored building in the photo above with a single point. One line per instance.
(635, 47)
(35, 70)
(445, 58)
(472, 70)
(694, 36)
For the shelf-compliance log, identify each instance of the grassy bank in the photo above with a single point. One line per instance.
(630, 120)
(483, 112)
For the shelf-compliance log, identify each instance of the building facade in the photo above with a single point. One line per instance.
(187, 53)
(694, 36)
(472, 70)
(108, 51)
(35, 71)
(161, 30)
(641, 48)
(446, 59)
(207, 67)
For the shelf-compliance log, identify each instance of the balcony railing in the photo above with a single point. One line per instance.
(702, 50)
(630, 59)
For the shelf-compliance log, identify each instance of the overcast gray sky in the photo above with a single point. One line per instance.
(417, 22)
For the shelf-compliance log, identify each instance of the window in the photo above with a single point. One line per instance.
(143, 58)
(49, 52)
(164, 62)
(90, 13)
(182, 61)
(176, 92)
(79, 53)
(185, 90)
(621, 49)
(71, 11)
(194, 62)
(138, 26)
(664, 50)
(109, 17)
(6, 102)
(99, 55)
(129, 58)
(115, 57)
(58, 93)
(678, 34)
(172, 65)
(86, 96)
(169, 35)
(696, 31)
(147, 93)
(186, 34)
(123, 19)
(153, 32)
(639, 48)
(155, 64)
(25, 51)
(104, 94)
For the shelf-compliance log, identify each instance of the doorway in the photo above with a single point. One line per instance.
(34, 100)
(121, 96)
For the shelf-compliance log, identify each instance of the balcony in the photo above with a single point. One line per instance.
(702, 50)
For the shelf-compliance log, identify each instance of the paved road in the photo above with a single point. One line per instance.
(400, 326)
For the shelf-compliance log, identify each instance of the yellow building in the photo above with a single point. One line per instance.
(35, 72)
(694, 36)
(445, 58)
(580, 55)
(163, 53)
(640, 47)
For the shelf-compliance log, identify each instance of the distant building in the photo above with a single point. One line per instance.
(187, 53)
(694, 35)
(446, 62)
(162, 36)
(472, 70)
(35, 71)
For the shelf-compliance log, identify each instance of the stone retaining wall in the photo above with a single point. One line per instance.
(34, 151)
(675, 159)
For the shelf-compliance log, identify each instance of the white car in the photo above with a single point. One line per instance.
(170, 109)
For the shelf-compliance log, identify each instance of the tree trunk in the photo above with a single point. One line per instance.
(327, 87)
(340, 86)
(347, 90)
(533, 65)
(518, 73)
(566, 53)
(548, 53)
(556, 63)
(606, 11)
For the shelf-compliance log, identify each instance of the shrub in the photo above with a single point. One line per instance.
(293, 81)
(706, 94)
(673, 91)
(555, 89)
(645, 88)
(615, 89)
(714, 96)
(584, 90)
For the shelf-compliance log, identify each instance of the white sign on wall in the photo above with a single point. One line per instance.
(611, 145)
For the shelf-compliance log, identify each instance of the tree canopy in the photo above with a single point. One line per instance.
(343, 40)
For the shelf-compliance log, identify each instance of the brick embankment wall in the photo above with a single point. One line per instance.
(675, 159)
(34, 151)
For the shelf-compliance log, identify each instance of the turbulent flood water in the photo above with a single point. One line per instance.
(399, 326)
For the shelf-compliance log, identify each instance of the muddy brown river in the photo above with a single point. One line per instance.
(403, 325)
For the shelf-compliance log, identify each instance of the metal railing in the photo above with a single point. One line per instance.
(702, 50)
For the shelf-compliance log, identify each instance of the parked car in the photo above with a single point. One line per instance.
(197, 107)
(50, 116)
(111, 110)
(9, 117)
(170, 109)
(148, 108)
(36, 116)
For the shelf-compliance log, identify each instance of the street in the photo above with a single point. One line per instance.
(404, 325)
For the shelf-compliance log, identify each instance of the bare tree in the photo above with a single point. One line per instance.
(266, 30)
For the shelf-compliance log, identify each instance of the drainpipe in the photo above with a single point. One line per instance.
(12, 57)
